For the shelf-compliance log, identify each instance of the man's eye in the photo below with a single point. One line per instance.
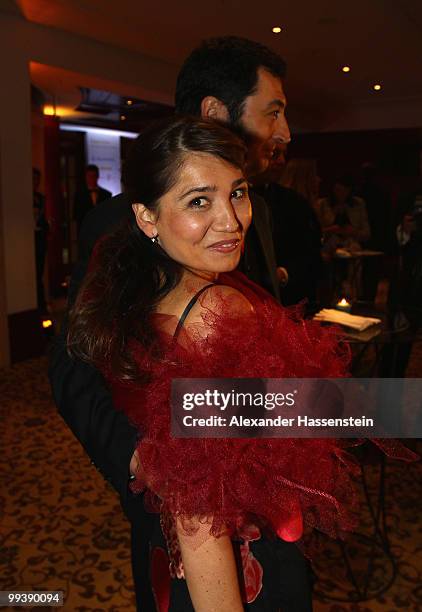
(238, 194)
(276, 114)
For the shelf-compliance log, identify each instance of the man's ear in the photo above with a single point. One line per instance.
(145, 219)
(213, 108)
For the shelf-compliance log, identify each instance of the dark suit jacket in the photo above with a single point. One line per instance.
(79, 389)
(259, 260)
(297, 242)
(83, 204)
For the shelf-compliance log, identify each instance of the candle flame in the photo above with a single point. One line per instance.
(343, 302)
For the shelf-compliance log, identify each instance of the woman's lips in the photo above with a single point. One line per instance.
(225, 246)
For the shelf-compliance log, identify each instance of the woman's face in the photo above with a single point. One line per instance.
(201, 222)
(341, 192)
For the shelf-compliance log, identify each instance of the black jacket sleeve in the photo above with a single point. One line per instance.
(79, 390)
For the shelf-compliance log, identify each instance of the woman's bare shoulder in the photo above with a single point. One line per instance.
(225, 298)
(217, 302)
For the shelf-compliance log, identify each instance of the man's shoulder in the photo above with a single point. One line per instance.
(275, 192)
(105, 193)
(109, 211)
(255, 197)
(259, 204)
(288, 194)
(82, 192)
(104, 217)
(285, 201)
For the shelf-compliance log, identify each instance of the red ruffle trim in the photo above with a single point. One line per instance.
(279, 484)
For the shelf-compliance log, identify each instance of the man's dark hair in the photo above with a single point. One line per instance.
(226, 68)
(93, 168)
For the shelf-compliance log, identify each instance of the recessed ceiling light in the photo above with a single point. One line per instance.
(346, 68)
(377, 87)
(277, 30)
(129, 102)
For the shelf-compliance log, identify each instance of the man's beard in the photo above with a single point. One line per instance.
(256, 161)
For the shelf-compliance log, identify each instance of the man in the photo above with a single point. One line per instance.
(405, 290)
(378, 207)
(227, 79)
(40, 238)
(88, 197)
(296, 231)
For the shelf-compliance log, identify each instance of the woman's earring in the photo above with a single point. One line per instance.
(154, 239)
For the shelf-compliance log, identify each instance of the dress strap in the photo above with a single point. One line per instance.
(187, 310)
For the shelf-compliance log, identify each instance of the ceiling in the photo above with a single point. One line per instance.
(82, 98)
(379, 39)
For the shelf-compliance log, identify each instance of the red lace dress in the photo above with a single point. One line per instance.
(250, 486)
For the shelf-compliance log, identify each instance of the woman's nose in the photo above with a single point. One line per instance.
(226, 219)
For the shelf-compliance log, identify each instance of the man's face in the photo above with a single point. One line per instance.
(341, 192)
(275, 168)
(91, 178)
(264, 122)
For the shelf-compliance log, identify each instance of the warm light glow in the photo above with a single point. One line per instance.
(47, 323)
(129, 102)
(346, 68)
(122, 117)
(377, 87)
(343, 302)
(49, 110)
(58, 111)
(277, 30)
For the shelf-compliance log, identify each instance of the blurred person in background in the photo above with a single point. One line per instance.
(379, 208)
(343, 217)
(291, 190)
(89, 196)
(40, 238)
(345, 226)
(301, 175)
(405, 294)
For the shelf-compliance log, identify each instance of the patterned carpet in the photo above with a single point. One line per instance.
(61, 527)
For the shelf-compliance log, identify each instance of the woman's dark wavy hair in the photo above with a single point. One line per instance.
(129, 274)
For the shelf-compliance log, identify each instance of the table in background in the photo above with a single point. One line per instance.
(367, 585)
(354, 261)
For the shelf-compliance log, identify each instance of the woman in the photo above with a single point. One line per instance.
(344, 222)
(343, 217)
(161, 302)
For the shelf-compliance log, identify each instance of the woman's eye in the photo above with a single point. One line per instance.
(238, 194)
(198, 203)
